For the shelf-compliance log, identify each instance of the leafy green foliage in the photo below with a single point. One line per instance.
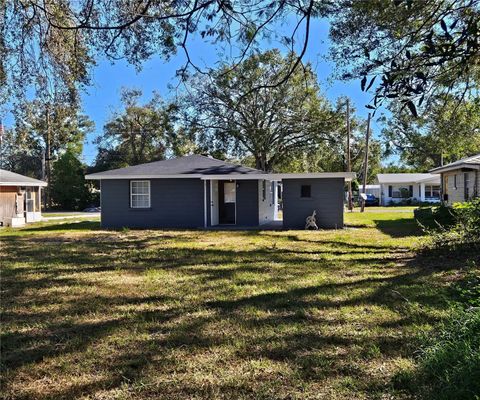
(273, 124)
(435, 218)
(139, 133)
(69, 189)
(463, 233)
(417, 48)
(448, 132)
(449, 359)
(21, 156)
(468, 289)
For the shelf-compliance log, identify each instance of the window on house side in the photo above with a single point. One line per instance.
(264, 190)
(466, 186)
(432, 191)
(140, 194)
(306, 191)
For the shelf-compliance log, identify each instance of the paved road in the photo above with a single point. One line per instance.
(45, 217)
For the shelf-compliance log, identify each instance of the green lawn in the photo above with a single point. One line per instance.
(89, 313)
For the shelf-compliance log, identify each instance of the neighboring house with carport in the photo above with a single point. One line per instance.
(369, 189)
(201, 192)
(20, 199)
(407, 187)
(460, 179)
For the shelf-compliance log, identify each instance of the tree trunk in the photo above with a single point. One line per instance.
(261, 162)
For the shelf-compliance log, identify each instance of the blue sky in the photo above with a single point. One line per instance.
(103, 97)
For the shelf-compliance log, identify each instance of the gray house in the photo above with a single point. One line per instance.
(460, 179)
(201, 192)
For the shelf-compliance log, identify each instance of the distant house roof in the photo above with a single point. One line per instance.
(468, 162)
(408, 178)
(198, 166)
(8, 178)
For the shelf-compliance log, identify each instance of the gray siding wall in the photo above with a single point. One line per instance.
(247, 203)
(327, 200)
(456, 193)
(175, 203)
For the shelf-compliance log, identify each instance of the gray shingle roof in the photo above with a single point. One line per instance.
(11, 178)
(188, 165)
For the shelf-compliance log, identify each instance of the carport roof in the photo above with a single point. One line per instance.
(206, 168)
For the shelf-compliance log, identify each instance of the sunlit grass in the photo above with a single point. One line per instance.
(89, 313)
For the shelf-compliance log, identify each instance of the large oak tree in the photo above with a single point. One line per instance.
(272, 123)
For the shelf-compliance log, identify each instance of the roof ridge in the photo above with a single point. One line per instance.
(470, 157)
(224, 162)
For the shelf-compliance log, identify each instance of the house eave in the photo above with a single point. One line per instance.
(348, 176)
(448, 168)
(151, 176)
(40, 184)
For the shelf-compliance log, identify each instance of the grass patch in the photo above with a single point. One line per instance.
(89, 313)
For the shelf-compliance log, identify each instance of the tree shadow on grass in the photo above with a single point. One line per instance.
(303, 324)
(399, 228)
(67, 226)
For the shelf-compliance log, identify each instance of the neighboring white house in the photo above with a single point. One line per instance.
(397, 188)
(460, 179)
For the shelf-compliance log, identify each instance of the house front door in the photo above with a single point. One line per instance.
(227, 195)
(214, 203)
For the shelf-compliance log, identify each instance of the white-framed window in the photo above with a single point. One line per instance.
(140, 194)
(229, 194)
(400, 192)
(432, 191)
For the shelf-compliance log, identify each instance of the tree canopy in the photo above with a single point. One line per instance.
(415, 47)
(414, 50)
(271, 123)
(138, 133)
(69, 190)
(446, 134)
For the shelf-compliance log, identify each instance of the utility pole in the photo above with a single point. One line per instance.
(43, 164)
(365, 164)
(47, 156)
(349, 165)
